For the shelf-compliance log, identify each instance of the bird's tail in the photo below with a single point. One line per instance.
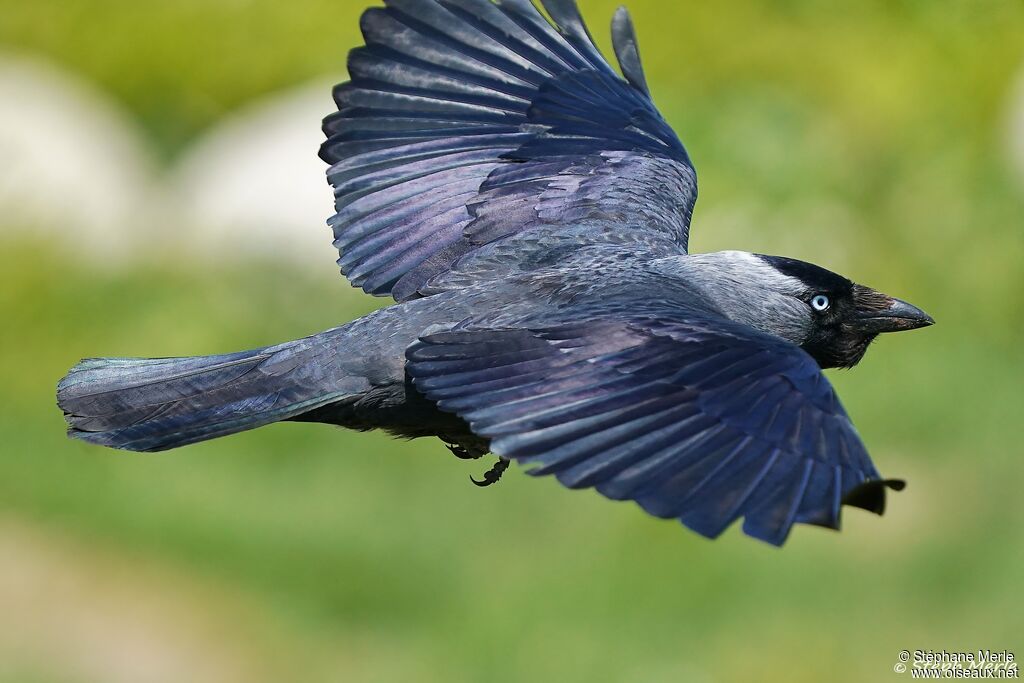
(142, 404)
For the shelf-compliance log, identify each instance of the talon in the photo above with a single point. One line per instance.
(492, 475)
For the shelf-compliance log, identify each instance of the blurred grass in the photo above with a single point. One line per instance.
(867, 139)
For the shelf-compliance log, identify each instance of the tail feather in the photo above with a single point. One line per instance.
(116, 386)
(154, 404)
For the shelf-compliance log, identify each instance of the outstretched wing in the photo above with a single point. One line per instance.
(698, 419)
(478, 135)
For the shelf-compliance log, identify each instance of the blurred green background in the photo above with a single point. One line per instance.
(869, 137)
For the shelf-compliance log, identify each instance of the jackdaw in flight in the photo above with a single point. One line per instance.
(528, 210)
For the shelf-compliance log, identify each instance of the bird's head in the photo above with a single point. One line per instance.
(830, 317)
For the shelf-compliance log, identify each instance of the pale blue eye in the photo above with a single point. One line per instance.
(820, 302)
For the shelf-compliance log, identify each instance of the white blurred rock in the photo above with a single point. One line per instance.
(73, 166)
(78, 170)
(254, 184)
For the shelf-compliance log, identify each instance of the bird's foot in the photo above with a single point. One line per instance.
(494, 474)
(462, 453)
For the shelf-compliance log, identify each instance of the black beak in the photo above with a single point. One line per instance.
(885, 314)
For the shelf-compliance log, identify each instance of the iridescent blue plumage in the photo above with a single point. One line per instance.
(497, 125)
(692, 417)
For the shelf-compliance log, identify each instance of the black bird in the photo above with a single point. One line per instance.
(528, 209)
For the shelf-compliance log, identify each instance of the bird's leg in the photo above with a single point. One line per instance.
(462, 453)
(494, 474)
